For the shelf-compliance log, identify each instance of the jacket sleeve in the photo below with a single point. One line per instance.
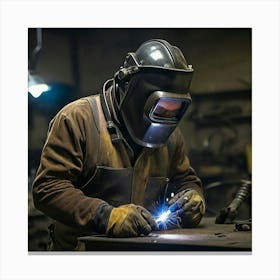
(183, 176)
(55, 191)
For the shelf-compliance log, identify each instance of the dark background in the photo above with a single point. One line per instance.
(217, 128)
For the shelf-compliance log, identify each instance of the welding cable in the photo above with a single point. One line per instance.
(240, 196)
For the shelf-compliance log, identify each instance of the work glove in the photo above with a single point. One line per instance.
(124, 221)
(189, 206)
(129, 221)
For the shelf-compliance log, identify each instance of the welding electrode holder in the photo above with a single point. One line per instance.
(177, 206)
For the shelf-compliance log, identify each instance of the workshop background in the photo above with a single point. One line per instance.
(76, 62)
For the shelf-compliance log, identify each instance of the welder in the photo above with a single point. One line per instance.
(109, 159)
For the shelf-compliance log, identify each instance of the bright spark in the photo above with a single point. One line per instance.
(163, 217)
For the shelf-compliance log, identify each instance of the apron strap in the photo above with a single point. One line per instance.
(96, 128)
(92, 102)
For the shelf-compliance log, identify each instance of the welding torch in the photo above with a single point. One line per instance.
(175, 207)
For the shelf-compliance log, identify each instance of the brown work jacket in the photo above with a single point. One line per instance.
(81, 167)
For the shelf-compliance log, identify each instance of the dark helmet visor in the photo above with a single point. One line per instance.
(166, 108)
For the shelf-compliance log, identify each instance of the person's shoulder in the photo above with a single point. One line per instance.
(80, 106)
(176, 136)
(75, 105)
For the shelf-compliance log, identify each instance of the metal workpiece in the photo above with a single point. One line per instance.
(208, 236)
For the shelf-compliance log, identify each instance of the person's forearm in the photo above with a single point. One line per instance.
(59, 200)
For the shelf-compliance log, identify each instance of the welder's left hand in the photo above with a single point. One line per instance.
(191, 207)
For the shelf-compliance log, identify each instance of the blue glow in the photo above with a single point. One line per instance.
(163, 217)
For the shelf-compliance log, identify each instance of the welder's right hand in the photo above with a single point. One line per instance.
(190, 206)
(129, 221)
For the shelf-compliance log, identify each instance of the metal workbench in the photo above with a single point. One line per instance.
(208, 236)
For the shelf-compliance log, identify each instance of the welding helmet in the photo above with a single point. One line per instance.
(152, 92)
